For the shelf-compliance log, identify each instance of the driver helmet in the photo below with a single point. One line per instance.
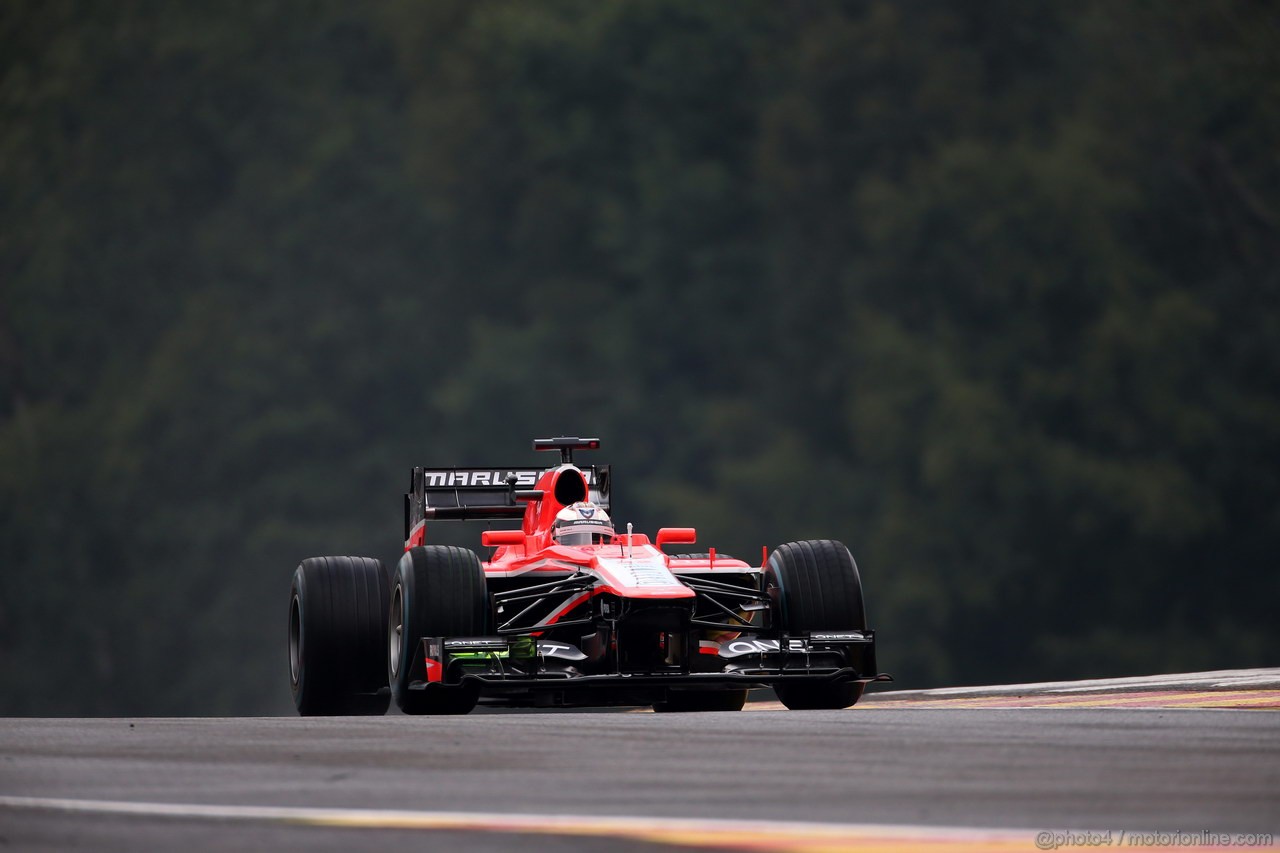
(582, 523)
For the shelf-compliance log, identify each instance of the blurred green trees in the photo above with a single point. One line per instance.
(989, 292)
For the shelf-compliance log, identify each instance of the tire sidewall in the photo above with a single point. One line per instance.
(298, 599)
(775, 589)
(402, 584)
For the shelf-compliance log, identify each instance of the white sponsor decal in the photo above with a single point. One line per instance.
(475, 643)
(464, 479)
(494, 478)
(549, 649)
(639, 572)
(755, 647)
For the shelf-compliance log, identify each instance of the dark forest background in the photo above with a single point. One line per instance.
(989, 291)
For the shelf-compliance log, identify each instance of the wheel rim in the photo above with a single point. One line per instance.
(396, 632)
(295, 639)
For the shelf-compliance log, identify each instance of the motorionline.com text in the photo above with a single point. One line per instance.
(1055, 840)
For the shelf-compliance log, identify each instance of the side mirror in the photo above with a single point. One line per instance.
(677, 536)
(494, 538)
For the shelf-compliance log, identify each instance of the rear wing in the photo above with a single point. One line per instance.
(482, 494)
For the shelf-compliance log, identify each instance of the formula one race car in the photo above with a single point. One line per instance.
(568, 611)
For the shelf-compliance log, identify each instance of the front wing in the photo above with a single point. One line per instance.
(535, 671)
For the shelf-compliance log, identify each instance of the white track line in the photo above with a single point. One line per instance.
(506, 821)
(758, 835)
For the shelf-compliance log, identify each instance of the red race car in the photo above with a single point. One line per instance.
(569, 610)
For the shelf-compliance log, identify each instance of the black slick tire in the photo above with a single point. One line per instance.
(436, 591)
(338, 637)
(814, 586)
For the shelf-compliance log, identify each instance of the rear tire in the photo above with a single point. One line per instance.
(814, 586)
(679, 701)
(338, 637)
(437, 591)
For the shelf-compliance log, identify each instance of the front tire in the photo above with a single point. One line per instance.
(338, 637)
(437, 591)
(814, 586)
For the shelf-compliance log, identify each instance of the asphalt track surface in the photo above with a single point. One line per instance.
(881, 763)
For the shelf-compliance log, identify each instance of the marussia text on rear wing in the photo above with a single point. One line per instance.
(482, 494)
